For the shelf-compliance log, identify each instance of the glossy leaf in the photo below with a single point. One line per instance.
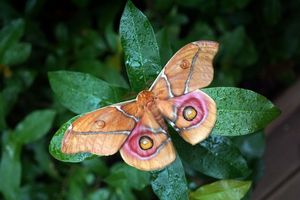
(125, 176)
(220, 190)
(34, 126)
(81, 92)
(141, 51)
(240, 111)
(216, 157)
(55, 146)
(170, 182)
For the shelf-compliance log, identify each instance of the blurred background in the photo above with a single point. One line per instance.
(260, 51)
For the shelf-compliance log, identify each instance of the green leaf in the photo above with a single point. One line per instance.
(96, 165)
(2, 112)
(202, 29)
(237, 49)
(165, 50)
(125, 176)
(102, 193)
(170, 182)
(216, 156)
(233, 6)
(55, 146)
(220, 190)
(240, 111)
(10, 35)
(123, 194)
(62, 33)
(43, 159)
(20, 80)
(34, 126)
(111, 37)
(95, 67)
(140, 48)
(271, 11)
(76, 181)
(88, 47)
(251, 146)
(16, 54)
(10, 167)
(81, 92)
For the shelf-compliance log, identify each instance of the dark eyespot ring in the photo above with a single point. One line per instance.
(189, 113)
(145, 143)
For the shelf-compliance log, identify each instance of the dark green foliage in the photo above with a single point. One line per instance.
(170, 182)
(82, 93)
(141, 51)
(12, 51)
(82, 55)
(240, 111)
(32, 128)
(216, 157)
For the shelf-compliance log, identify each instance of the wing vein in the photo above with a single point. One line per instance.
(186, 89)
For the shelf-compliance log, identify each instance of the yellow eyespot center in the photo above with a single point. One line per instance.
(189, 113)
(145, 142)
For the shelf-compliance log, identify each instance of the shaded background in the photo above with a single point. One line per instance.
(260, 47)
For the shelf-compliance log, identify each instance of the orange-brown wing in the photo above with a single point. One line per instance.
(103, 131)
(148, 147)
(193, 115)
(189, 69)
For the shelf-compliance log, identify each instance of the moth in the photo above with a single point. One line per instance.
(138, 129)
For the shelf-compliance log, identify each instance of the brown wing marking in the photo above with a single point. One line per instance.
(201, 73)
(160, 155)
(189, 69)
(197, 129)
(100, 132)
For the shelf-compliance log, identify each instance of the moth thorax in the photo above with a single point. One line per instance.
(145, 97)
